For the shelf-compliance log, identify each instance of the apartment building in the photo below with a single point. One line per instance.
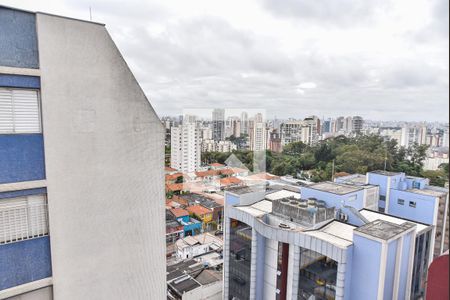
(81, 166)
(413, 198)
(294, 248)
(185, 150)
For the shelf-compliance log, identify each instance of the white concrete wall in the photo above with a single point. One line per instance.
(41, 294)
(104, 163)
(270, 269)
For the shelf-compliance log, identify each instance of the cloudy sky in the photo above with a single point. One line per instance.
(382, 59)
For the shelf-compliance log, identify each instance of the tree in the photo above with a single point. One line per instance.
(295, 148)
(180, 179)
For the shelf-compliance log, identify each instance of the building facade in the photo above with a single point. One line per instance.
(78, 143)
(293, 248)
(218, 124)
(185, 150)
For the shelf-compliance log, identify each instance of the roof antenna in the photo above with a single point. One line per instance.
(90, 13)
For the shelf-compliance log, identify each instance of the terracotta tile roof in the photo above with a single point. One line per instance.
(229, 181)
(173, 176)
(179, 200)
(169, 169)
(179, 212)
(227, 172)
(262, 176)
(207, 173)
(175, 187)
(341, 174)
(198, 210)
(217, 165)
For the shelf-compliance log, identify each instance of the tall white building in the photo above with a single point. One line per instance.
(445, 137)
(244, 123)
(259, 137)
(185, 151)
(357, 124)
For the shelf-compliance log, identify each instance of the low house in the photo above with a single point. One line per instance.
(174, 231)
(192, 280)
(190, 225)
(202, 213)
(229, 182)
(193, 246)
(217, 166)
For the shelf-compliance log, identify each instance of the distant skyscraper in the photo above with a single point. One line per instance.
(326, 127)
(244, 123)
(348, 124)
(357, 124)
(185, 148)
(218, 120)
(340, 124)
(259, 137)
(445, 142)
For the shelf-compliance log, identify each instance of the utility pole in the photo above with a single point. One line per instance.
(385, 159)
(332, 171)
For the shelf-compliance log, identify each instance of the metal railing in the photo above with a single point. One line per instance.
(21, 222)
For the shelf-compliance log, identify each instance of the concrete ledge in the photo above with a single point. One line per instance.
(23, 185)
(19, 71)
(25, 288)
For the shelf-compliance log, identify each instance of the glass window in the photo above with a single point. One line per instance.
(382, 198)
(240, 260)
(401, 201)
(23, 218)
(412, 204)
(318, 275)
(19, 111)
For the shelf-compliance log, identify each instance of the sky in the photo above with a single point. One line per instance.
(381, 59)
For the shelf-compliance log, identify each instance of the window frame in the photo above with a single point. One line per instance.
(39, 107)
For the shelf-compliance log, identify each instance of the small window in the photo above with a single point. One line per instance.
(352, 198)
(412, 204)
(382, 198)
(416, 184)
(19, 111)
(401, 201)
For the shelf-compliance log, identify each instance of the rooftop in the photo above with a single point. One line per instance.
(200, 239)
(335, 188)
(356, 179)
(198, 210)
(240, 190)
(230, 181)
(337, 233)
(217, 165)
(429, 192)
(371, 216)
(384, 230)
(179, 212)
(385, 173)
(283, 194)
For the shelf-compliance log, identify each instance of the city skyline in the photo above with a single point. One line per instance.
(290, 56)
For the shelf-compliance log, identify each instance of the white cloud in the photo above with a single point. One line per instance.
(307, 85)
(382, 59)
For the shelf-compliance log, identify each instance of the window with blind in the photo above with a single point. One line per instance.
(19, 111)
(23, 218)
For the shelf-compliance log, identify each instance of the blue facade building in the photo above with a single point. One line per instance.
(76, 131)
(294, 248)
(414, 199)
